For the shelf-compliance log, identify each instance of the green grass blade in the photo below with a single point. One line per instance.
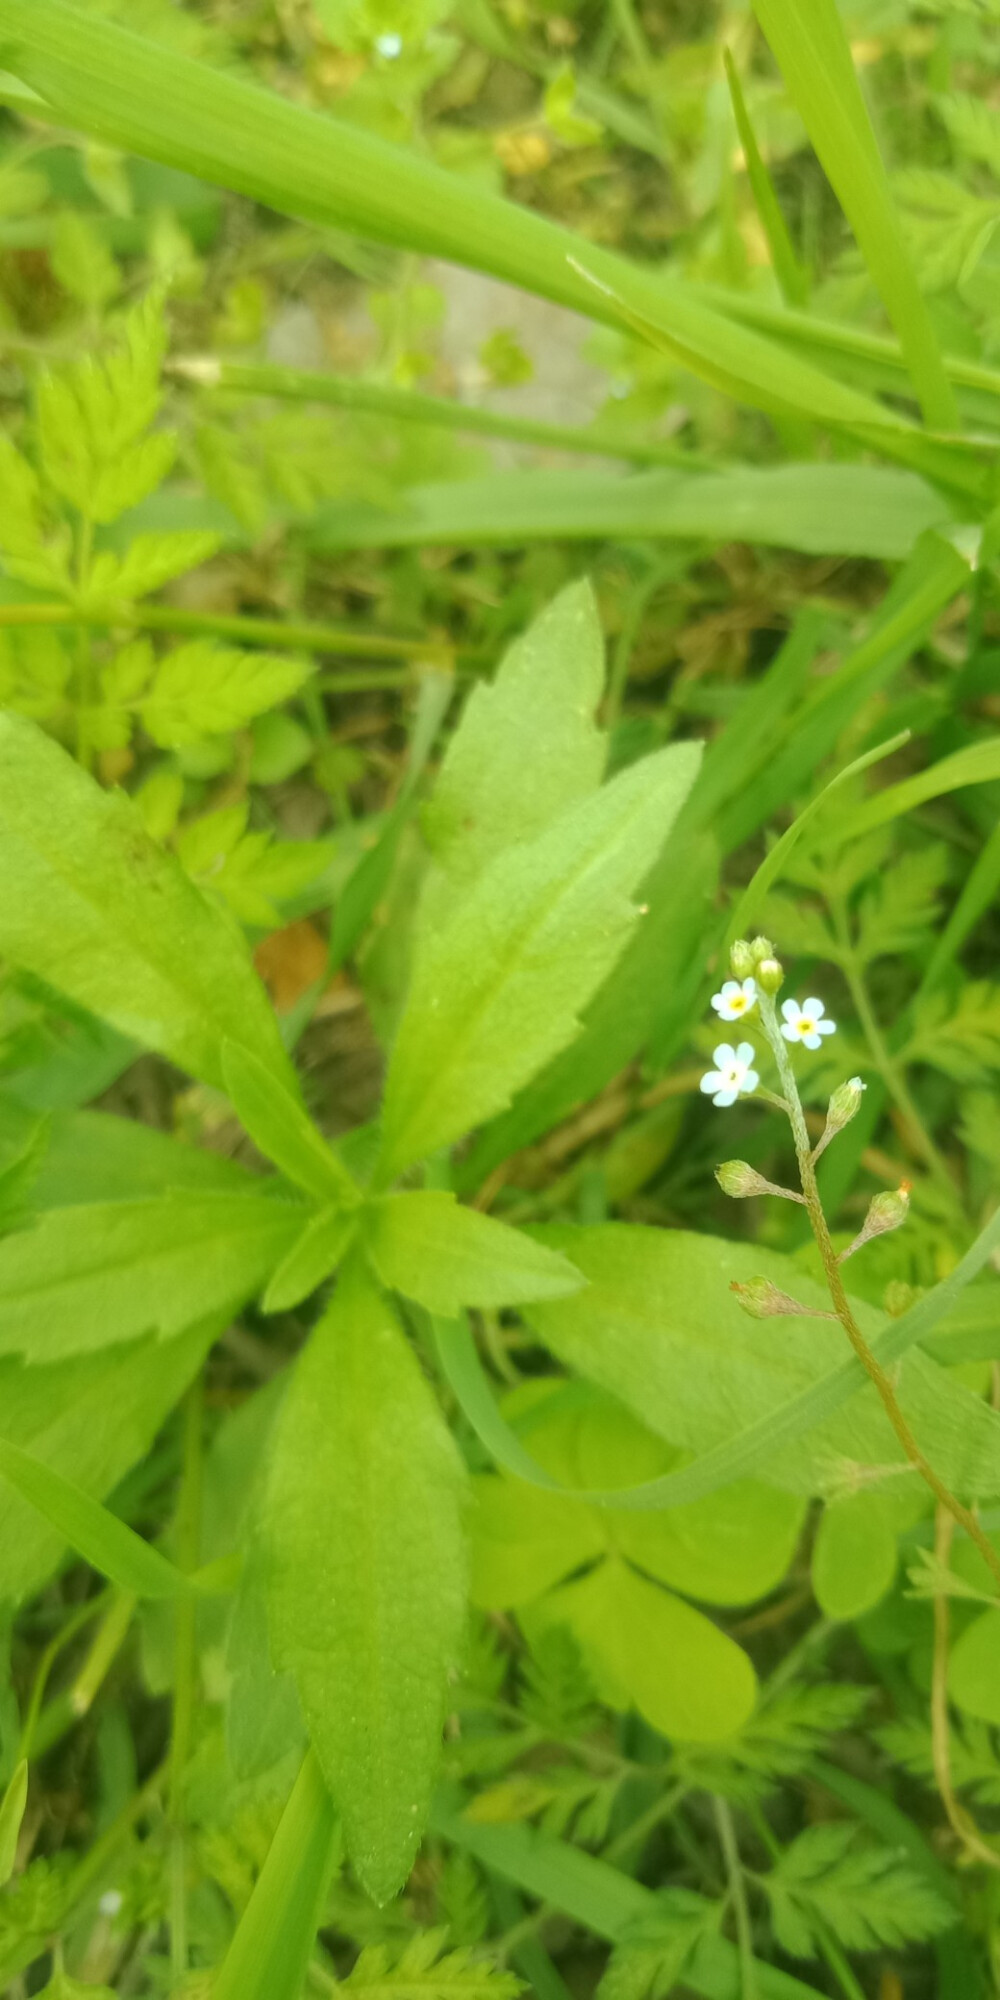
(773, 862)
(861, 510)
(107, 1543)
(810, 44)
(977, 764)
(790, 274)
(12, 1806)
(143, 98)
(411, 406)
(981, 887)
(270, 1952)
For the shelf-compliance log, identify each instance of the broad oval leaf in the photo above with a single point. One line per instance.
(91, 903)
(499, 988)
(974, 1669)
(367, 1572)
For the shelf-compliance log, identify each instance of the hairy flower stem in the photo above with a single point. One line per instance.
(872, 1367)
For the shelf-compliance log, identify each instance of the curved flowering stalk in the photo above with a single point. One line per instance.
(755, 965)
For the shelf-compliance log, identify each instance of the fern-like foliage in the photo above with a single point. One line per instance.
(959, 1037)
(778, 1742)
(832, 1878)
(651, 1958)
(556, 1693)
(974, 1755)
(425, 1970)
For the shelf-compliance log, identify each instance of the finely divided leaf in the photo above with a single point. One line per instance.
(203, 689)
(499, 989)
(89, 902)
(447, 1257)
(526, 749)
(367, 1572)
(99, 1273)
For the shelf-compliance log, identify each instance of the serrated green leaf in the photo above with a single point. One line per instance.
(149, 562)
(526, 749)
(82, 261)
(867, 1895)
(423, 1970)
(279, 1125)
(203, 689)
(89, 902)
(367, 1572)
(651, 1958)
(91, 416)
(424, 1245)
(100, 1273)
(499, 988)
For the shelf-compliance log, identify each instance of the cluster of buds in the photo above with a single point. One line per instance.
(755, 959)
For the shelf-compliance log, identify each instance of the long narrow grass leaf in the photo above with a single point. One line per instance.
(270, 1952)
(107, 1543)
(810, 43)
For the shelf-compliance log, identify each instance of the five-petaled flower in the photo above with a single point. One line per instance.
(736, 999)
(733, 1074)
(807, 1023)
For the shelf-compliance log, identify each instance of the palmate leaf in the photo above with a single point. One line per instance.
(499, 988)
(367, 1572)
(832, 1878)
(90, 903)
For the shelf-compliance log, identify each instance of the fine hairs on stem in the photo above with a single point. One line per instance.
(758, 979)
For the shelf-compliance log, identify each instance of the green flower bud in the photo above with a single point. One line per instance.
(885, 1211)
(760, 947)
(741, 959)
(770, 975)
(763, 1300)
(844, 1104)
(737, 1178)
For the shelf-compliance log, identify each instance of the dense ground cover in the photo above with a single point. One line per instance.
(499, 848)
